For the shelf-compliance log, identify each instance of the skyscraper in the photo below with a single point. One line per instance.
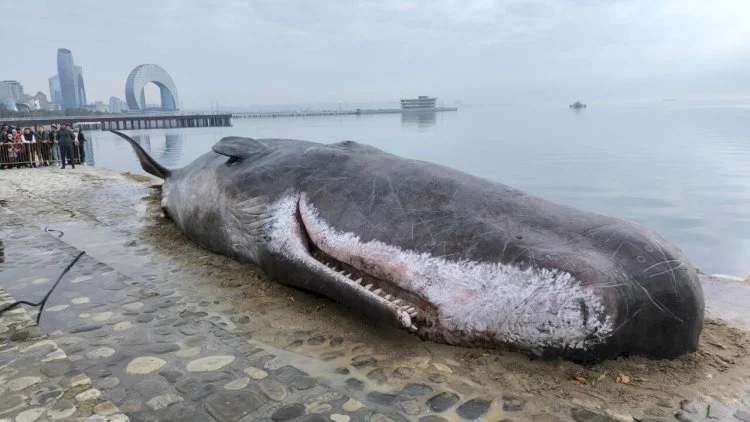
(70, 77)
(55, 93)
(80, 89)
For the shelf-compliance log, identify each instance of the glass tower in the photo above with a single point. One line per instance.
(70, 76)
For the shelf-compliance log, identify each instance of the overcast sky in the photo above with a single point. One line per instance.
(245, 53)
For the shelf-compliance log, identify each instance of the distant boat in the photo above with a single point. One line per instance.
(577, 105)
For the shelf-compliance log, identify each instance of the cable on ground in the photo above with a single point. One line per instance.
(44, 299)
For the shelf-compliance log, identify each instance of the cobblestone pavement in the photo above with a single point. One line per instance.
(38, 380)
(159, 342)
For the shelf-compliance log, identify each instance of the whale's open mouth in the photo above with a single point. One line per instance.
(363, 278)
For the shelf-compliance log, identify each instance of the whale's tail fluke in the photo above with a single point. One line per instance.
(147, 163)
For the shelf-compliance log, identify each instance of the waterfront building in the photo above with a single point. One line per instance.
(55, 93)
(28, 103)
(80, 89)
(41, 99)
(421, 102)
(117, 105)
(11, 91)
(143, 75)
(72, 89)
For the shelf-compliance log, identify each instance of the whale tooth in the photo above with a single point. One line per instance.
(346, 274)
(368, 287)
(413, 327)
(397, 301)
(377, 291)
(410, 309)
(413, 314)
(358, 281)
(388, 297)
(328, 264)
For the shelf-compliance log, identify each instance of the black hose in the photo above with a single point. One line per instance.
(44, 299)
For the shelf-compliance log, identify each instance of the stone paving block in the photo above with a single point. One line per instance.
(232, 406)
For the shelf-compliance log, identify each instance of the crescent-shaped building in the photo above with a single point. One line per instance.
(143, 75)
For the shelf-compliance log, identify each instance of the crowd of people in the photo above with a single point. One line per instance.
(38, 146)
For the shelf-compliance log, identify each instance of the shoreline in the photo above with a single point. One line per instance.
(114, 218)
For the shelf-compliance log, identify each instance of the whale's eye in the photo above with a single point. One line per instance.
(232, 160)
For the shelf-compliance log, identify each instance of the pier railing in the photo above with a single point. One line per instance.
(34, 154)
(128, 121)
(97, 117)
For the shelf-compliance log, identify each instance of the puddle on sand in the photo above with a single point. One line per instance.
(145, 244)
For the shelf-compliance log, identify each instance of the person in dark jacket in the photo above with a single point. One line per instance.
(81, 150)
(65, 137)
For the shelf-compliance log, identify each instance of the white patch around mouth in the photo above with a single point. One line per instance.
(532, 308)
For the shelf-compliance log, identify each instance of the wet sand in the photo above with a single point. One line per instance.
(120, 214)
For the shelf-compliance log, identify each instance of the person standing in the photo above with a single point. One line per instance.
(80, 139)
(10, 156)
(44, 147)
(66, 140)
(54, 139)
(21, 156)
(32, 148)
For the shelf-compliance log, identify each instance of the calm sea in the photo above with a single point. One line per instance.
(682, 170)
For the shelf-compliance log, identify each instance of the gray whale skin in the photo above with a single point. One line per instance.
(448, 256)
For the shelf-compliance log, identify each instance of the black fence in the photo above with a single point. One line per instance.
(36, 154)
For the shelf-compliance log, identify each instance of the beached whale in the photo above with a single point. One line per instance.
(451, 257)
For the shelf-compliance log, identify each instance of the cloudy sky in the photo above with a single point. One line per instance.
(245, 53)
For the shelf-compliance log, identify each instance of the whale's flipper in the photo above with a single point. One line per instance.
(147, 163)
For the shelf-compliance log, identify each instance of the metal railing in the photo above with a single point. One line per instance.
(120, 116)
(38, 154)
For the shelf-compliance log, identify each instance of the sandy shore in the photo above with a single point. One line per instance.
(115, 218)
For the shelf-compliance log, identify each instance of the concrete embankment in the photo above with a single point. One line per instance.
(168, 331)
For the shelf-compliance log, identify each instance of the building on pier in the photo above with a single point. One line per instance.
(421, 102)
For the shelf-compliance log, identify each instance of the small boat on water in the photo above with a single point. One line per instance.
(577, 105)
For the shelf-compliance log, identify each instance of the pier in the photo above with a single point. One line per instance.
(127, 121)
(311, 113)
(156, 120)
